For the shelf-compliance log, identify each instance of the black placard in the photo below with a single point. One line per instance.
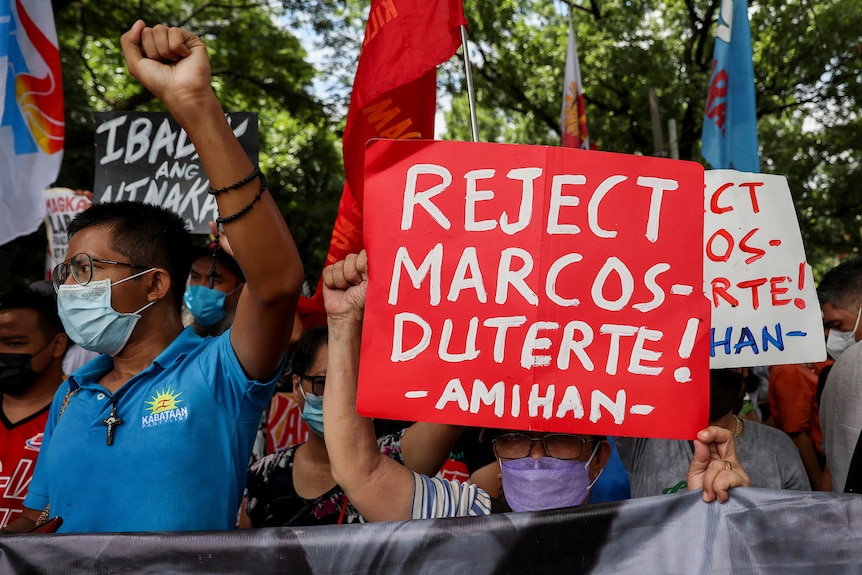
(147, 157)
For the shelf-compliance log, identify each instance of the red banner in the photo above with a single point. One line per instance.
(394, 96)
(535, 287)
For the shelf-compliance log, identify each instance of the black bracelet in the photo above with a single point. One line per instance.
(248, 206)
(214, 192)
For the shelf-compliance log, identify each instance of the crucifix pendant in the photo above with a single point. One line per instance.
(111, 422)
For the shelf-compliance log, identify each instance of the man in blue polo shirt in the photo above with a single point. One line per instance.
(155, 433)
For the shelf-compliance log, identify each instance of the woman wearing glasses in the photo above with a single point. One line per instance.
(539, 470)
(295, 486)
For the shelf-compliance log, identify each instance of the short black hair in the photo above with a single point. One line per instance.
(45, 306)
(841, 287)
(148, 235)
(221, 257)
(310, 342)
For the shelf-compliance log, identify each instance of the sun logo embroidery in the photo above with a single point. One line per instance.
(164, 408)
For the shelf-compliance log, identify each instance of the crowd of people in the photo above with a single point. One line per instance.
(158, 419)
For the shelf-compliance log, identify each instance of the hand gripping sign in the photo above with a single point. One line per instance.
(765, 308)
(532, 287)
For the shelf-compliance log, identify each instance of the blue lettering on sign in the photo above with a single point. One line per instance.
(747, 339)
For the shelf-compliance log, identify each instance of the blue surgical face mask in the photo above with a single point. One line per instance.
(205, 304)
(312, 411)
(546, 483)
(838, 341)
(91, 321)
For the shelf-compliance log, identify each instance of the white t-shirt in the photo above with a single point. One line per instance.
(841, 413)
(75, 357)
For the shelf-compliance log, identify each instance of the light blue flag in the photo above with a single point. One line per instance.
(729, 138)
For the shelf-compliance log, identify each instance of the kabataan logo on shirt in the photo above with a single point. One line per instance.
(164, 408)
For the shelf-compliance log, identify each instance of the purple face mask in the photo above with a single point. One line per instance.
(546, 483)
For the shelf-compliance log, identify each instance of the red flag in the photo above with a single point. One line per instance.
(394, 96)
(395, 90)
(573, 119)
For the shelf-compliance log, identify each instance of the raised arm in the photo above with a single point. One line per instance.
(378, 487)
(714, 467)
(173, 64)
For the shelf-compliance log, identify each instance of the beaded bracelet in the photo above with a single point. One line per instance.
(257, 173)
(248, 206)
(214, 192)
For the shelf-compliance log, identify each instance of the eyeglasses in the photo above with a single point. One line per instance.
(556, 445)
(81, 268)
(318, 383)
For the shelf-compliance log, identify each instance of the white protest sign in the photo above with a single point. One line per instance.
(764, 303)
(63, 204)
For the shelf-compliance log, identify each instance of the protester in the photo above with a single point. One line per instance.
(209, 306)
(295, 486)
(198, 401)
(794, 410)
(281, 424)
(32, 344)
(539, 470)
(840, 294)
(75, 356)
(212, 291)
(854, 471)
(756, 406)
(659, 466)
(611, 485)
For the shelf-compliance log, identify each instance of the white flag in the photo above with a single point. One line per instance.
(573, 118)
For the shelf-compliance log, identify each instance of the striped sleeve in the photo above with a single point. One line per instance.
(436, 497)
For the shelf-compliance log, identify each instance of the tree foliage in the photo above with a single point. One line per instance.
(258, 66)
(807, 59)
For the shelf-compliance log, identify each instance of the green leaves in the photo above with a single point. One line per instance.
(807, 60)
(258, 66)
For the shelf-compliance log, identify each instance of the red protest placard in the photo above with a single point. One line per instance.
(531, 287)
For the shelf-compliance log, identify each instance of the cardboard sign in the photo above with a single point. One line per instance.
(284, 426)
(146, 157)
(764, 303)
(533, 287)
(63, 204)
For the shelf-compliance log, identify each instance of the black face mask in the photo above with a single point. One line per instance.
(16, 372)
(724, 392)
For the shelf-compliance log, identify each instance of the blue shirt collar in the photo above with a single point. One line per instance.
(93, 371)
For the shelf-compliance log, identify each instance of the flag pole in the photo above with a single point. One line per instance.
(471, 98)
